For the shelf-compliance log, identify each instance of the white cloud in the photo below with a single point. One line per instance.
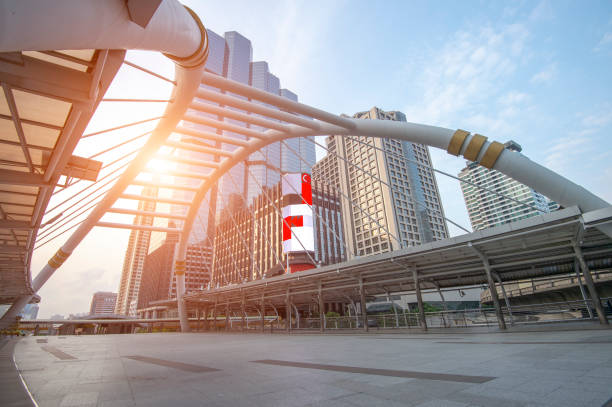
(561, 155)
(543, 11)
(599, 119)
(604, 42)
(571, 149)
(546, 75)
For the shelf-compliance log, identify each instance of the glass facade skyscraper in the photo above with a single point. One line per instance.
(231, 56)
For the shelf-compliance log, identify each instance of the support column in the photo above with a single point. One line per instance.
(506, 300)
(444, 305)
(590, 285)
(487, 266)
(215, 315)
(227, 317)
(197, 327)
(417, 289)
(242, 312)
(205, 325)
(263, 314)
(179, 274)
(288, 312)
(581, 286)
(321, 309)
(364, 308)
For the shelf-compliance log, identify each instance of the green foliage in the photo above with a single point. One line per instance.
(332, 314)
(429, 308)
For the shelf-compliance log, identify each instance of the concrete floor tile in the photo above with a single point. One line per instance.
(76, 399)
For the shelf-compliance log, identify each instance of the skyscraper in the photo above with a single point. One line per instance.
(138, 247)
(396, 202)
(231, 56)
(290, 161)
(486, 209)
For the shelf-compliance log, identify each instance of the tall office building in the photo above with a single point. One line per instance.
(396, 202)
(486, 209)
(103, 302)
(157, 273)
(138, 247)
(290, 161)
(197, 269)
(231, 56)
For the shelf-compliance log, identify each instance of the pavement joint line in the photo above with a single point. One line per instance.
(380, 372)
(530, 343)
(58, 353)
(175, 365)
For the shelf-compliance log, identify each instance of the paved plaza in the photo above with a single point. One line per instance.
(548, 368)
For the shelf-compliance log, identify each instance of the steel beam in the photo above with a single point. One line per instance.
(417, 289)
(601, 314)
(205, 135)
(146, 213)
(137, 227)
(506, 299)
(15, 224)
(197, 148)
(487, 266)
(364, 307)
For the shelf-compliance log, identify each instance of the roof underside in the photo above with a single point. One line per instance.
(46, 101)
(534, 247)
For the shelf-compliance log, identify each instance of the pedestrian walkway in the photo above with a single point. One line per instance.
(547, 368)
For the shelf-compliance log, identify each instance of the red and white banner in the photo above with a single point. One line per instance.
(298, 232)
(298, 184)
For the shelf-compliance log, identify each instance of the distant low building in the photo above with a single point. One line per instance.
(103, 303)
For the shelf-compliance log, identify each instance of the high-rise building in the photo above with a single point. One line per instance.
(157, 273)
(103, 302)
(249, 241)
(231, 56)
(197, 269)
(138, 247)
(486, 209)
(394, 193)
(290, 160)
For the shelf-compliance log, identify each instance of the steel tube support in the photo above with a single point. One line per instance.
(263, 314)
(581, 286)
(288, 311)
(417, 289)
(321, 309)
(364, 308)
(506, 299)
(242, 312)
(590, 285)
(487, 266)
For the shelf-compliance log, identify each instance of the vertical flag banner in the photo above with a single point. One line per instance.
(298, 232)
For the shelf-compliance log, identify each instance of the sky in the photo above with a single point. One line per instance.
(534, 72)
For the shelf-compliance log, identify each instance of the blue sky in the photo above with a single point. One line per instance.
(534, 72)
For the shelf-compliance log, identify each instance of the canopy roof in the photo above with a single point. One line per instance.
(534, 247)
(46, 102)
